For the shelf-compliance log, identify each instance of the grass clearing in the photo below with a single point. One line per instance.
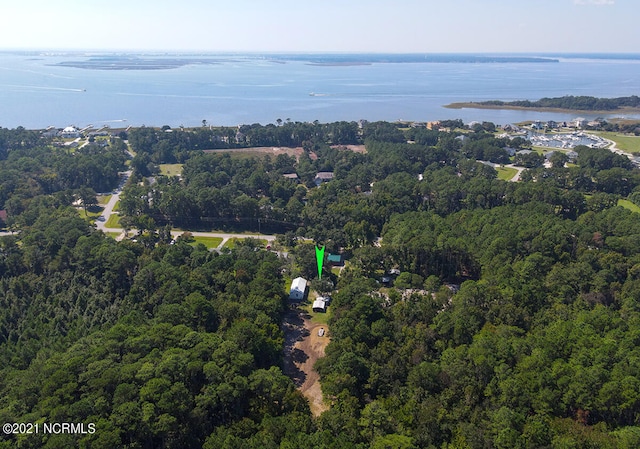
(628, 205)
(103, 199)
(625, 142)
(506, 173)
(318, 317)
(542, 150)
(92, 213)
(287, 283)
(113, 235)
(209, 242)
(113, 221)
(231, 243)
(315, 317)
(171, 169)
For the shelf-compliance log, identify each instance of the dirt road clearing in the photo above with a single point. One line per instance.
(303, 346)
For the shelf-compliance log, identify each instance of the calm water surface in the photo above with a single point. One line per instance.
(36, 93)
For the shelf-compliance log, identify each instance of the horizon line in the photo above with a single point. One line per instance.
(306, 52)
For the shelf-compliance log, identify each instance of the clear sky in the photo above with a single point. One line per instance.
(323, 25)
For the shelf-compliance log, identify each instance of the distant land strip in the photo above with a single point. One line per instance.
(368, 58)
(567, 103)
(135, 63)
(161, 62)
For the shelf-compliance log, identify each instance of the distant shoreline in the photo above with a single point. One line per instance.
(142, 61)
(474, 105)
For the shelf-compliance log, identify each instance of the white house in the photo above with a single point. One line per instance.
(298, 287)
(580, 122)
(70, 132)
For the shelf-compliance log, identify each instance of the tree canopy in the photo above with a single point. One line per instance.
(472, 312)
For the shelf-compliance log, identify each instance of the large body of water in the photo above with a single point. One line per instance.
(38, 90)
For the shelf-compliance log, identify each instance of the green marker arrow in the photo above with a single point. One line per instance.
(319, 260)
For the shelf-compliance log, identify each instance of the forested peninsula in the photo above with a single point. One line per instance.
(566, 103)
(471, 312)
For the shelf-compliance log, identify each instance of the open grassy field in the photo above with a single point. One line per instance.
(209, 242)
(113, 221)
(231, 243)
(171, 169)
(628, 205)
(625, 142)
(506, 173)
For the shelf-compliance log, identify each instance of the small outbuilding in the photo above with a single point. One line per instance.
(323, 176)
(319, 305)
(335, 260)
(298, 288)
(292, 176)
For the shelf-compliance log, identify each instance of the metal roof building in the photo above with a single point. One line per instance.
(298, 287)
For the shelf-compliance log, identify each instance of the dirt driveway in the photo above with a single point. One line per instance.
(303, 346)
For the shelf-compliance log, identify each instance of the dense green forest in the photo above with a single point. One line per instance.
(513, 321)
(582, 103)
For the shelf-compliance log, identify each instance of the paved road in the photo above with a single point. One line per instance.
(108, 209)
(614, 148)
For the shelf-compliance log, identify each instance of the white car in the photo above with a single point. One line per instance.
(321, 332)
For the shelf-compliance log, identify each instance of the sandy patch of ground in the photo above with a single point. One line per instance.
(295, 152)
(260, 151)
(303, 346)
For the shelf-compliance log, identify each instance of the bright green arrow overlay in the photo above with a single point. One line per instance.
(319, 260)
